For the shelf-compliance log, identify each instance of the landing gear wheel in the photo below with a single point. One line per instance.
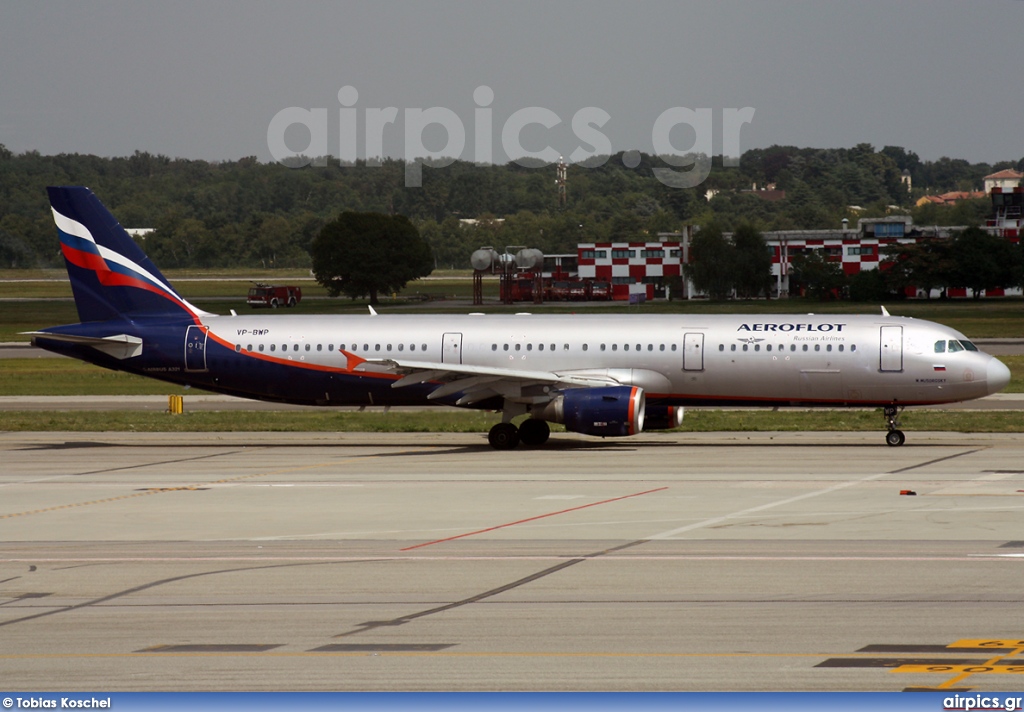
(533, 432)
(503, 436)
(895, 438)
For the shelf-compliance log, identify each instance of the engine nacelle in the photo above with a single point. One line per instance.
(612, 411)
(663, 417)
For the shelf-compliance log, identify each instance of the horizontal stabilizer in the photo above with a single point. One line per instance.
(120, 346)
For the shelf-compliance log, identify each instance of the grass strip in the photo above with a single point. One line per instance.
(480, 422)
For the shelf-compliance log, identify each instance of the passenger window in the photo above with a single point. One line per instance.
(308, 347)
(615, 347)
(238, 348)
(840, 348)
(519, 347)
(540, 347)
(494, 347)
(792, 347)
(721, 347)
(732, 347)
(376, 347)
(401, 347)
(650, 347)
(625, 347)
(674, 346)
(662, 347)
(330, 347)
(940, 346)
(529, 347)
(505, 347)
(768, 347)
(320, 347)
(553, 346)
(805, 347)
(261, 348)
(584, 347)
(638, 347)
(853, 347)
(817, 347)
(273, 347)
(828, 347)
(248, 347)
(412, 347)
(757, 347)
(746, 347)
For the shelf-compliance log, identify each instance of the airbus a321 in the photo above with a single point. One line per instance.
(603, 375)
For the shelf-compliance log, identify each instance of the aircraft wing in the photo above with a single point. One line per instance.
(477, 383)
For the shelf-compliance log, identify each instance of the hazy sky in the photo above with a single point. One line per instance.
(204, 79)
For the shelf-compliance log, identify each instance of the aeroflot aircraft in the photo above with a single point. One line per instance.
(600, 375)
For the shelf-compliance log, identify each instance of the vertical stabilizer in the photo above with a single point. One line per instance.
(110, 276)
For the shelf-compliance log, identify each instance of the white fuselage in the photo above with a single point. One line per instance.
(681, 359)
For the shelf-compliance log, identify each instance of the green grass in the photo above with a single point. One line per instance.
(477, 422)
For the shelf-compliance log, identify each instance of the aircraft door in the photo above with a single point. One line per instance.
(195, 348)
(693, 352)
(451, 348)
(891, 349)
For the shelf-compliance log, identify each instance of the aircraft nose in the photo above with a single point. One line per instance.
(998, 375)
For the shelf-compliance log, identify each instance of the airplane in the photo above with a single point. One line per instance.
(602, 375)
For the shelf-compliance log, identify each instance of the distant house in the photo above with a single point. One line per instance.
(1005, 180)
(951, 198)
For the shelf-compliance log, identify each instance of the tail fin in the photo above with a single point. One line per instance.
(110, 276)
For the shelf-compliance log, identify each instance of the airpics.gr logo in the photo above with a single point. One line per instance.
(789, 326)
(592, 146)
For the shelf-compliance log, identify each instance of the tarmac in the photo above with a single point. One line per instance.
(667, 561)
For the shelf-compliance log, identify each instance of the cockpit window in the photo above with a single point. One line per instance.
(955, 346)
(968, 345)
(940, 347)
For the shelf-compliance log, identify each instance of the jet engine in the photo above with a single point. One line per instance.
(663, 417)
(607, 411)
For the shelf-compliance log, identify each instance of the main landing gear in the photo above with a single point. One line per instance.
(532, 433)
(895, 436)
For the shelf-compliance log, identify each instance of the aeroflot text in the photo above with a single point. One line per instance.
(791, 327)
(64, 703)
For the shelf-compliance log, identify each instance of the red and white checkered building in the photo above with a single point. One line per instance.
(631, 267)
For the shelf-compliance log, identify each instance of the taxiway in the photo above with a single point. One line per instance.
(761, 561)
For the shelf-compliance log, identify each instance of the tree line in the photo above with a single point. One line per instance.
(247, 213)
(973, 259)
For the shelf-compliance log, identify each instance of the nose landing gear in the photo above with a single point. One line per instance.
(895, 436)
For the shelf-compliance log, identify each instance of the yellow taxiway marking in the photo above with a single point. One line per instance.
(962, 672)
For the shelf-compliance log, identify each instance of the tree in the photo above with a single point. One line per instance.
(711, 267)
(752, 273)
(821, 278)
(982, 261)
(363, 254)
(923, 265)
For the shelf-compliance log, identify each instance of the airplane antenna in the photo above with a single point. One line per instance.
(373, 312)
(885, 312)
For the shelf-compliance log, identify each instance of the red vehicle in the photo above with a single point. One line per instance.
(273, 296)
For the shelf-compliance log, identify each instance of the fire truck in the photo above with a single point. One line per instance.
(274, 296)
